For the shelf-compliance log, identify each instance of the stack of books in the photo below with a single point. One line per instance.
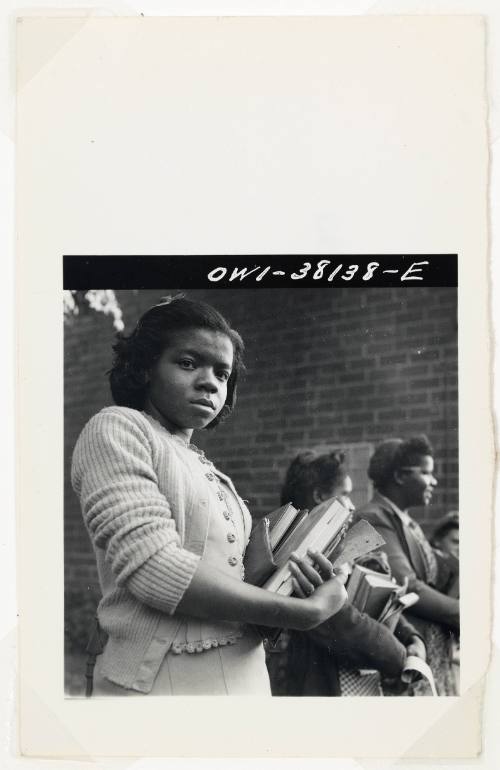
(379, 595)
(292, 531)
(282, 522)
(288, 530)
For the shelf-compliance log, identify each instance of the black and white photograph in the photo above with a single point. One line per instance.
(229, 441)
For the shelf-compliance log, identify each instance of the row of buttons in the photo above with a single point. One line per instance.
(231, 537)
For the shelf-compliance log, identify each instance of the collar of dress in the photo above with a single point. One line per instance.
(403, 515)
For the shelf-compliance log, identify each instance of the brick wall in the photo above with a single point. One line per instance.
(325, 367)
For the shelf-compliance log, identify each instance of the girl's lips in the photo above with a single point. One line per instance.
(204, 402)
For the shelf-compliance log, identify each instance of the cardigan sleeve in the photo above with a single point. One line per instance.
(125, 512)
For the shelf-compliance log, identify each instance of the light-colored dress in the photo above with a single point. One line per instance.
(210, 658)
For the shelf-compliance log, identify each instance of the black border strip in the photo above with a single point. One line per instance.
(237, 271)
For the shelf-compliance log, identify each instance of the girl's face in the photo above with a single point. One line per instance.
(450, 542)
(344, 491)
(188, 383)
(418, 482)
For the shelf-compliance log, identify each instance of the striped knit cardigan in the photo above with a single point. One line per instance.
(145, 506)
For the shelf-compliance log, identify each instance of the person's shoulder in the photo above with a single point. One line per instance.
(374, 510)
(118, 421)
(117, 415)
(372, 507)
(111, 430)
(114, 432)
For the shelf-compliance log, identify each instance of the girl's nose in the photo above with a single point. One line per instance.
(207, 380)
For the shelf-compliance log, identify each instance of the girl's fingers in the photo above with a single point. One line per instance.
(297, 590)
(306, 586)
(307, 570)
(342, 573)
(322, 564)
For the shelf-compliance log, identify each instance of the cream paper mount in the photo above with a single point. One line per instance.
(244, 136)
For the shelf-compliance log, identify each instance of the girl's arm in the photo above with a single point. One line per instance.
(432, 604)
(130, 519)
(125, 513)
(212, 594)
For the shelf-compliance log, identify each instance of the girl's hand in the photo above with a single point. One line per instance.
(318, 584)
(307, 576)
(417, 648)
(326, 601)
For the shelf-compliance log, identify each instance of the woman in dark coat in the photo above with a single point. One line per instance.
(403, 475)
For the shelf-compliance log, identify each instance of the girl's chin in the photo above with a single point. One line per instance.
(202, 422)
(202, 418)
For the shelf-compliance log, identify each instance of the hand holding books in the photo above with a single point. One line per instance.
(327, 598)
(308, 574)
(284, 553)
(288, 534)
(319, 531)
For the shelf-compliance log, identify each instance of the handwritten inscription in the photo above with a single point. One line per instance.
(322, 271)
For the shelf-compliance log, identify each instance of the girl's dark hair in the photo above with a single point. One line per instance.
(310, 471)
(393, 454)
(443, 526)
(135, 354)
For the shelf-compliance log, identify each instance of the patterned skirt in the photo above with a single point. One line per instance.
(439, 644)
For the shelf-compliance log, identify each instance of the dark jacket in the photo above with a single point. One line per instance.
(350, 638)
(406, 559)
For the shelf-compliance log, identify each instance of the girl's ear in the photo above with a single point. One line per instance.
(398, 479)
(317, 496)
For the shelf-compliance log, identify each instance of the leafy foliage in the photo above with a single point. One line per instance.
(99, 300)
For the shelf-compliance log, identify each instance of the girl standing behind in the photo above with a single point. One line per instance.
(168, 528)
(350, 640)
(402, 472)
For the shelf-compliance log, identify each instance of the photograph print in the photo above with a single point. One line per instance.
(261, 476)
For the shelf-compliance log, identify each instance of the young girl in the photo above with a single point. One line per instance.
(169, 529)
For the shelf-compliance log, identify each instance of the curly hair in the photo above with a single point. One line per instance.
(395, 453)
(135, 354)
(310, 471)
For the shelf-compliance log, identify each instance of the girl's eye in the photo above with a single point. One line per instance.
(186, 363)
(223, 375)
